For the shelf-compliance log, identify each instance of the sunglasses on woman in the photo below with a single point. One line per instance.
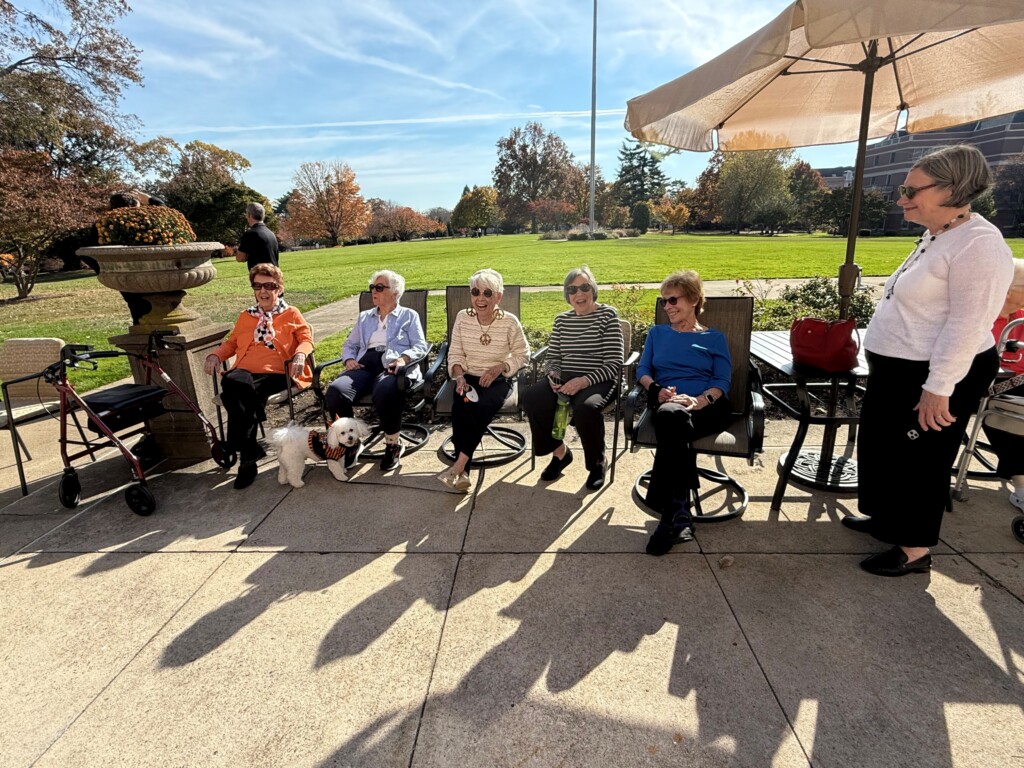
(673, 300)
(487, 292)
(378, 287)
(265, 286)
(909, 192)
(586, 288)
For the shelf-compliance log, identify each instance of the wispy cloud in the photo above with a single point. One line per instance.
(492, 117)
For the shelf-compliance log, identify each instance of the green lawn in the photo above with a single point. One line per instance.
(77, 308)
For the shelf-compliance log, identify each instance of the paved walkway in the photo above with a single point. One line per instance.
(386, 623)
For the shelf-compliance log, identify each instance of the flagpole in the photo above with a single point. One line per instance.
(593, 123)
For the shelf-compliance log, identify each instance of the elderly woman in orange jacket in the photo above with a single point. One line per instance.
(265, 338)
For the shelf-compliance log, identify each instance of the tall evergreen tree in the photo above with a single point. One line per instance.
(640, 176)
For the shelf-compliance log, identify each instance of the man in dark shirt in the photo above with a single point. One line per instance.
(259, 244)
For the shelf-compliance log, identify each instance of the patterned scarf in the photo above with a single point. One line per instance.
(264, 332)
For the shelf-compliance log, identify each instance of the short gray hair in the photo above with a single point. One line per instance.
(487, 278)
(583, 271)
(961, 169)
(395, 281)
(256, 211)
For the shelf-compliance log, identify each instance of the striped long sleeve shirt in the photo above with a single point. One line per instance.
(590, 345)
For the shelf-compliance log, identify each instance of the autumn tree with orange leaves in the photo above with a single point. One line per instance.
(37, 208)
(326, 204)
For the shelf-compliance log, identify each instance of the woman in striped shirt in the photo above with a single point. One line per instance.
(584, 362)
(487, 348)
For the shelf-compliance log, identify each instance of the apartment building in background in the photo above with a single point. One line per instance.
(888, 161)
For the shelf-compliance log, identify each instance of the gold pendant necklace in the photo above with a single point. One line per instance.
(485, 337)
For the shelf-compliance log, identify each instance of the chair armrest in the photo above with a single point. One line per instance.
(318, 374)
(632, 408)
(431, 374)
(535, 363)
(755, 420)
(402, 371)
(629, 368)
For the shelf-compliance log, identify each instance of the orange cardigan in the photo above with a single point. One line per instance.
(292, 335)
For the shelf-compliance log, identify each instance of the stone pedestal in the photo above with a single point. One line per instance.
(153, 281)
(181, 435)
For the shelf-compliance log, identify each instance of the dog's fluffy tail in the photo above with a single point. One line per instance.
(289, 433)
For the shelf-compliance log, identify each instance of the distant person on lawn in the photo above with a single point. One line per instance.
(259, 244)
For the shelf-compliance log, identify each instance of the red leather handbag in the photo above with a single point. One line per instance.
(824, 344)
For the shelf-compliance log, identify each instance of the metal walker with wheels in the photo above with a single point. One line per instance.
(117, 414)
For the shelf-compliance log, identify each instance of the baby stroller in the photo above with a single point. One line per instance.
(118, 413)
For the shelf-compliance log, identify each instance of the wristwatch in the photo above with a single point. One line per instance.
(709, 397)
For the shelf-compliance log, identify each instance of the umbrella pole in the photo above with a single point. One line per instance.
(850, 272)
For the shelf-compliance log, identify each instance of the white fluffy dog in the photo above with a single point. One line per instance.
(295, 444)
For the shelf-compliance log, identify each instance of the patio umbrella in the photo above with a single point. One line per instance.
(831, 71)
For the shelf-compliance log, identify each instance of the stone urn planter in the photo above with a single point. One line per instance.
(153, 278)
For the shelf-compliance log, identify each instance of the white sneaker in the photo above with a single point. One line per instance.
(1017, 499)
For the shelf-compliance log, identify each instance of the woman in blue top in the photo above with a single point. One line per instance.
(384, 339)
(686, 370)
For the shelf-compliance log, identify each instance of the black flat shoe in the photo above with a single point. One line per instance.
(859, 523)
(556, 466)
(246, 475)
(893, 562)
(595, 480)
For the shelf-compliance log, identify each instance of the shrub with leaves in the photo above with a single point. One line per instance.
(627, 299)
(147, 225)
(818, 297)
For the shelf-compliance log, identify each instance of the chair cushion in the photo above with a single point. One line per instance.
(733, 441)
(1006, 413)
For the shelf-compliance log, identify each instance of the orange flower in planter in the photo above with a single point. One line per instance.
(148, 225)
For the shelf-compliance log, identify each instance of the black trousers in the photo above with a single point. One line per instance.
(675, 460)
(244, 395)
(1008, 447)
(470, 420)
(540, 401)
(903, 470)
(388, 401)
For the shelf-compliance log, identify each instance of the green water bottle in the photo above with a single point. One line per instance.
(561, 417)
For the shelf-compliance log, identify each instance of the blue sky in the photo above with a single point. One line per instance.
(413, 94)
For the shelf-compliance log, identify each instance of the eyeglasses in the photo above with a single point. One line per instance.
(586, 288)
(265, 286)
(909, 192)
(487, 292)
(670, 300)
(379, 287)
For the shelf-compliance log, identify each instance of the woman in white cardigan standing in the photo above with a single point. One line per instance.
(931, 358)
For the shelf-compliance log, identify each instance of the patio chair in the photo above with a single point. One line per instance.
(998, 409)
(501, 444)
(744, 436)
(614, 406)
(26, 397)
(412, 435)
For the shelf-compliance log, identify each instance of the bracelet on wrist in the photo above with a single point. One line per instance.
(653, 389)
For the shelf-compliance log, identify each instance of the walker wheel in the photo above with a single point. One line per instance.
(1017, 526)
(223, 456)
(140, 500)
(69, 490)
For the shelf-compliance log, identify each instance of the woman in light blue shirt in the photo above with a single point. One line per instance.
(384, 339)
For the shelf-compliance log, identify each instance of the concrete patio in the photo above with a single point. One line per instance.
(386, 622)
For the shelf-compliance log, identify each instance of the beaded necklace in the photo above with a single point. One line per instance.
(919, 251)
